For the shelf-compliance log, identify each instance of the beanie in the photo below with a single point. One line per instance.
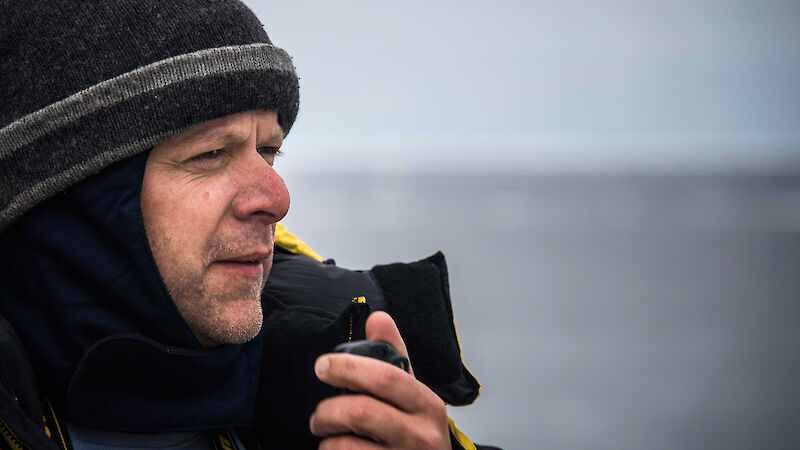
(86, 84)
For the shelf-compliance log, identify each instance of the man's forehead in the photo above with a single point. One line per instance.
(234, 128)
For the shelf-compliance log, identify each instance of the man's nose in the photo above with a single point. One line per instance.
(261, 193)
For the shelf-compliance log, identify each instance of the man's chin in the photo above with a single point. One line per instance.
(235, 322)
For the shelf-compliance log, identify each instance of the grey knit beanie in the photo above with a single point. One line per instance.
(84, 84)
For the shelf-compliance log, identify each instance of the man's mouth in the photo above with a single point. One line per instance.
(250, 264)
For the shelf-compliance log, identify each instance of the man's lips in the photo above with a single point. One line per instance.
(250, 264)
(258, 255)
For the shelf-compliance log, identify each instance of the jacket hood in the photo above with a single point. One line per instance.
(78, 282)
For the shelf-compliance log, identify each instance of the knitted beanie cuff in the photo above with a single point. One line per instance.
(50, 149)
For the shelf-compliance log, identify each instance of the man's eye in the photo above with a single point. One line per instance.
(213, 154)
(269, 151)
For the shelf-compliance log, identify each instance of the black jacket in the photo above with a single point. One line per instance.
(308, 310)
(94, 322)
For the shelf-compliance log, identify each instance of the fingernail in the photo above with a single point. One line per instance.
(322, 366)
(311, 422)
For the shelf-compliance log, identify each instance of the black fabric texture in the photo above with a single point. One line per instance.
(298, 280)
(170, 389)
(63, 46)
(16, 373)
(414, 296)
(294, 336)
(78, 281)
(417, 297)
(23, 432)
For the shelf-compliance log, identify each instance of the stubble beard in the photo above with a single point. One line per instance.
(218, 317)
(226, 314)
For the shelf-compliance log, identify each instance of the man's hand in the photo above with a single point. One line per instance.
(395, 411)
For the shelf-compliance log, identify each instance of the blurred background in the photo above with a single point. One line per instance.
(615, 184)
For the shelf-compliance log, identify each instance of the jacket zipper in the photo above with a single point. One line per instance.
(360, 299)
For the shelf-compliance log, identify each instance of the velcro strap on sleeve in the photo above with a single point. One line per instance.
(417, 296)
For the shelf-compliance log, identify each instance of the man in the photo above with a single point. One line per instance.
(137, 230)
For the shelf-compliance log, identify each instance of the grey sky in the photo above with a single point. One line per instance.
(405, 86)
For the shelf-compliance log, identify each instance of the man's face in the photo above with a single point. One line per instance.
(210, 201)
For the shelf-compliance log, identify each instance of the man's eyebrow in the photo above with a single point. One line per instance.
(227, 131)
(274, 138)
(220, 134)
(214, 134)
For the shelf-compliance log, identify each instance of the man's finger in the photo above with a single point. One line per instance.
(348, 442)
(381, 327)
(361, 415)
(378, 378)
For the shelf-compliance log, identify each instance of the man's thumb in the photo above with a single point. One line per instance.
(381, 327)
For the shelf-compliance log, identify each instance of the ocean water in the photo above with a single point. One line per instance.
(598, 312)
